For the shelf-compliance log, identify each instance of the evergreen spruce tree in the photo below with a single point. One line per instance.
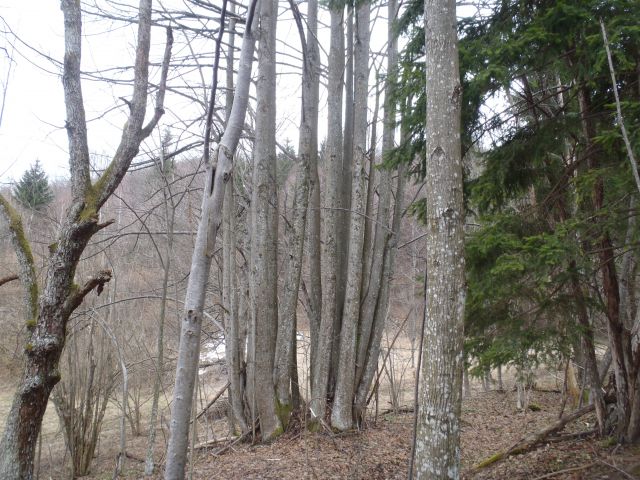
(33, 191)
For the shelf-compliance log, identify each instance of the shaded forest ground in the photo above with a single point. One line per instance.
(490, 422)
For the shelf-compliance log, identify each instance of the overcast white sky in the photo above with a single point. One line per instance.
(34, 114)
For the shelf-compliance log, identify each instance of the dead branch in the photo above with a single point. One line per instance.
(565, 470)
(75, 299)
(8, 278)
(531, 441)
(210, 404)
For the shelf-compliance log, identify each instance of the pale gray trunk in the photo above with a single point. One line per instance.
(264, 229)
(234, 348)
(342, 413)
(368, 254)
(437, 449)
(381, 311)
(321, 344)
(344, 214)
(216, 179)
(287, 322)
(382, 231)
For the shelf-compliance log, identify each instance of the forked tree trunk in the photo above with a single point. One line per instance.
(342, 413)
(191, 325)
(437, 449)
(60, 295)
(264, 230)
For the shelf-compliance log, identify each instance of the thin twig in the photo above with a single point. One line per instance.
(566, 470)
(614, 83)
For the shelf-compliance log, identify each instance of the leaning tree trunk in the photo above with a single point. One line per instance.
(321, 344)
(217, 176)
(342, 413)
(264, 230)
(437, 449)
(60, 295)
(234, 347)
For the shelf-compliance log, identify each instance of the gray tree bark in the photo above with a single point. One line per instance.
(217, 174)
(264, 229)
(321, 344)
(234, 347)
(437, 449)
(342, 413)
(307, 151)
(381, 246)
(60, 295)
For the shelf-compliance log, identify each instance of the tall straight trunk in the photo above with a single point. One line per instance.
(314, 233)
(368, 254)
(380, 315)
(287, 321)
(321, 345)
(217, 176)
(264, 229)
(342, 413)
(344, 214)
(382, 231)
(234, 347)
(437, 449)
(47, 326)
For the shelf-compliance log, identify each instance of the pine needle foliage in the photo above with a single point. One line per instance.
(33, 190)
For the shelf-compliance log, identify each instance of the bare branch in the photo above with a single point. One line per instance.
(75, 298)
(25, 257)
(8, 278)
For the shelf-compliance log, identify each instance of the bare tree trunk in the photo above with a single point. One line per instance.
(342, 413)
(234, 347)
(321, 354)
(344, 214)
(381, 245)
(437, 450)
(264, 228)
(287, 325)
(60, 295)
(212, 202)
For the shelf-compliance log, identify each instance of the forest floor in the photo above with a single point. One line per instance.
(490, 423)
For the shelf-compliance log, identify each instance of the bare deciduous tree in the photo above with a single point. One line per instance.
(49, 310)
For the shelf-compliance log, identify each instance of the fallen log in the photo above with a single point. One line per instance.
(529, 442)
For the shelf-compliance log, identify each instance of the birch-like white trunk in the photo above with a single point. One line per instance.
(437, 449)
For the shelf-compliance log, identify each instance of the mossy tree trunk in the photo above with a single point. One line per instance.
(50, 309)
